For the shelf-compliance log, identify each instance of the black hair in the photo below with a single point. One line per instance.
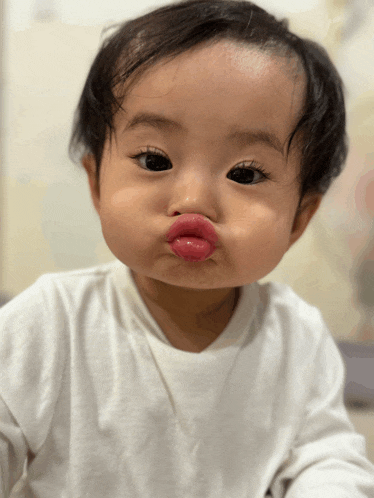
(173, 29)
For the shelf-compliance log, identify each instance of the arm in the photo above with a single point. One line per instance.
(13, 451)
(32, 361)
(328, 458)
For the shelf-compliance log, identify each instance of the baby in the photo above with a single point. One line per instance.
(209, 134)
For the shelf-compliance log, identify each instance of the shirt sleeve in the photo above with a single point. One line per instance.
(13, 451)
(328, 459)
(32, 359)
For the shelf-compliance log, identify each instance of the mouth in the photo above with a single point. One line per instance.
(192, 238)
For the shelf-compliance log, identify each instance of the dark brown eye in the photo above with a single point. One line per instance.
(154, 162)
(245, 176)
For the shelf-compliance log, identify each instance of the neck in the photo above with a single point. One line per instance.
(201, 314)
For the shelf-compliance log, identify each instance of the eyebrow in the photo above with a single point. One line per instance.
(152, 120)
(258, 136)
(245, 136)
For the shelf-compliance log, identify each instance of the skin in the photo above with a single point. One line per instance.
(210, 91)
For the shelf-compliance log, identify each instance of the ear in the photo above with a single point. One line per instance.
(304, 214)
(89, 165)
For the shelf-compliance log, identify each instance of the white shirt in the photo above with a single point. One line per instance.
(91, 386)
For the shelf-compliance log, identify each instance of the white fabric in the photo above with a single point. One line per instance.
(93, 389)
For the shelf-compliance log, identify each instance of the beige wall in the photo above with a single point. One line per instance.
(48, 223)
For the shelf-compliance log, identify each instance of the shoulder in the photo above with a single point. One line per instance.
(53, 292)
(298, 343)
(283, 301)
(43, 313)
(293, 320)
(36, 322)
(40, 317)
(78, 281)
(35, 329)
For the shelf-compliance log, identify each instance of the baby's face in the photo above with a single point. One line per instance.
(206, 133)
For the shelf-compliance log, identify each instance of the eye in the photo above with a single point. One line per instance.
(247, 175)
(153, 160)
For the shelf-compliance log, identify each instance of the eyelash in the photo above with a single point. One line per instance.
(151, 151)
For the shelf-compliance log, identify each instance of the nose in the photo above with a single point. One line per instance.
(194, 192)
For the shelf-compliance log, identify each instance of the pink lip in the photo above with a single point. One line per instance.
(194, 225)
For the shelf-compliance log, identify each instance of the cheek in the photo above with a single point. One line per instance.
(123, 199)
(119, 214)
(135, 200)
(264, 232)
(119, 207)
(128, 218)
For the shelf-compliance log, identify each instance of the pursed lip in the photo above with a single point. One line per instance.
(194, 225)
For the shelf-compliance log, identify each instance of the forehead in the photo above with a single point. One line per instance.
(221, 86)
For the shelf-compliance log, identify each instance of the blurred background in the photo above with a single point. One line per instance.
(47, 222)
